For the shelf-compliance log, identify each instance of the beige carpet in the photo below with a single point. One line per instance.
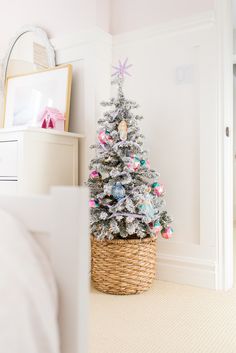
(170, 318)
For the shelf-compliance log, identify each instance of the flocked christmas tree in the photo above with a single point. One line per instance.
(126, 196)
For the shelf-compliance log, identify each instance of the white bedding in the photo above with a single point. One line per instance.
(28, 295)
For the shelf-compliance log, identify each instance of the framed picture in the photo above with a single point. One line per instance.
(40, 99)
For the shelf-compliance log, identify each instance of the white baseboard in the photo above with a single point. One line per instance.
(183, 270)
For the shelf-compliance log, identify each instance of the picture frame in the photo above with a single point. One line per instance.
(32, 99)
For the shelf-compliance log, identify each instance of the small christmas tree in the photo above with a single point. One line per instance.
(127, 198)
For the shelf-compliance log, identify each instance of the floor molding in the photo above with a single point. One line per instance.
(186, 270)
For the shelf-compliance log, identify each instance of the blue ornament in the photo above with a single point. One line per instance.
(118, 191)
(147, 208)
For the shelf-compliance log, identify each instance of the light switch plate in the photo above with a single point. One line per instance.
(184, 74)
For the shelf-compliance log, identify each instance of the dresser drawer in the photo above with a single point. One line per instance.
(8, 158)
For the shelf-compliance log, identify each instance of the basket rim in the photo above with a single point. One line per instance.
(122, 241)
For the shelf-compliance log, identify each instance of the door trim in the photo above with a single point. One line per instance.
(224, 245)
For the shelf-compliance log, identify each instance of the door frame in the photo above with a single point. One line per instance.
(224, 245)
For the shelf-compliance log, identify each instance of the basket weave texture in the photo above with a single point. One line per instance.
(123, 266)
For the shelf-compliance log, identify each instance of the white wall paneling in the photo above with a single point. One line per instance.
(133, 14)
(90, 53)
(174, 79)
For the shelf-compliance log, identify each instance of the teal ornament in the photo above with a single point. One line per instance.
(118, 191)
(143, 162)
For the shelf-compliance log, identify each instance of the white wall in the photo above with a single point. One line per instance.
(179, 121)
(135, 14)
(58, 18)
(103, 14)
(234, 12)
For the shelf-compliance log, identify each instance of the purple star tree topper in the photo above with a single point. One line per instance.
(122, 69)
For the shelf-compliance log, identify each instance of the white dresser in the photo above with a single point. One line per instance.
(33, 160)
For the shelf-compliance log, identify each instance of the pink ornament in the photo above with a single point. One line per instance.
(94, 175)
(167, 232)
(158, 189)
(155, 227)
(134, 163)
(52, 118)
(148, 164)
(104, 137)
(93, 203)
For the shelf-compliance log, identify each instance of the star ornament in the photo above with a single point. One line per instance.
(122, 69)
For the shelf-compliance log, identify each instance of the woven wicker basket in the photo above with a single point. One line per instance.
(123, 266)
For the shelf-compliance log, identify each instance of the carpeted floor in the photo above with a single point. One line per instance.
(170, 318)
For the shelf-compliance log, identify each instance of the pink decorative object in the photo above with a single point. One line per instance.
(104, 137)
(167, 233)
(156, 227)
(94, 175)
(44, 124)
(52, 118)
(158, 189)
(93, 203)
(134, 163)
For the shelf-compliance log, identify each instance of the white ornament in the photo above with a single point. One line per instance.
(123, 130)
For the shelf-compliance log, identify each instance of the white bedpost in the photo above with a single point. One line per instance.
(70, 256)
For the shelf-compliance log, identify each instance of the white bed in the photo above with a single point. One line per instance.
(60, 223)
